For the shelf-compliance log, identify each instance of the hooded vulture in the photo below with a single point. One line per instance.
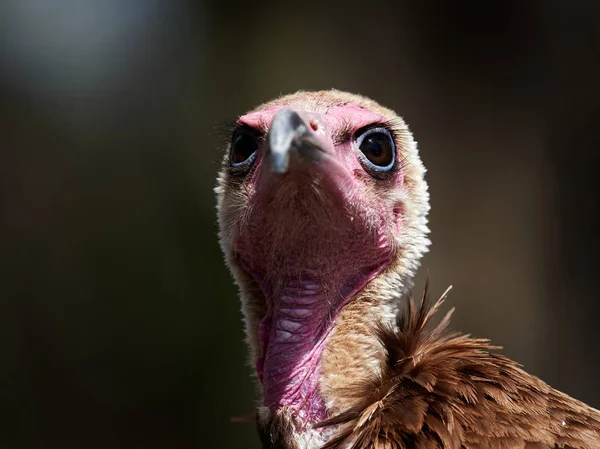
(322, 207)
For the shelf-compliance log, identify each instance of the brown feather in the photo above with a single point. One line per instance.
(444, 390)
(278, 431)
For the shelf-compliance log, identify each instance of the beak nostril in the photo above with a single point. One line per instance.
(290, 134)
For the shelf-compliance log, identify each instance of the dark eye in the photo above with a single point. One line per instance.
(244, 145)
(377, 149)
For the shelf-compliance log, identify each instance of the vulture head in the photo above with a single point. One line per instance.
(323, 221)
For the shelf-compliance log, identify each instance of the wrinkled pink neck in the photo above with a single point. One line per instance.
(293, 336)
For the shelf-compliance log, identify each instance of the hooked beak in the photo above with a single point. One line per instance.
(289, 137)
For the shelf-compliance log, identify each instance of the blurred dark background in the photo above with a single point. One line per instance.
(119, 324)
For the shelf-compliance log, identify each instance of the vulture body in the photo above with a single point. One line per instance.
(323, 221)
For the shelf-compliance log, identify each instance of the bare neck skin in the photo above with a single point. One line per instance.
(306, 371)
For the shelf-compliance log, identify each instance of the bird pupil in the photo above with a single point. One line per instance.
(374, 146)
(244, 146)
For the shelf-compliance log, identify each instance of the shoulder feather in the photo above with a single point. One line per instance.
(446, 390)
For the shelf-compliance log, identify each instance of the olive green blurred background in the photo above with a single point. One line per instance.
(119, 324)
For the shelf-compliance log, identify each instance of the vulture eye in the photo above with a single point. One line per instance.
(244, 145)
(377, 149)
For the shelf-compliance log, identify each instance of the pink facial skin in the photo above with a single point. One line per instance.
(312, 238)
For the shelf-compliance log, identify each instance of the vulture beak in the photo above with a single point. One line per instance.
(291, 140)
